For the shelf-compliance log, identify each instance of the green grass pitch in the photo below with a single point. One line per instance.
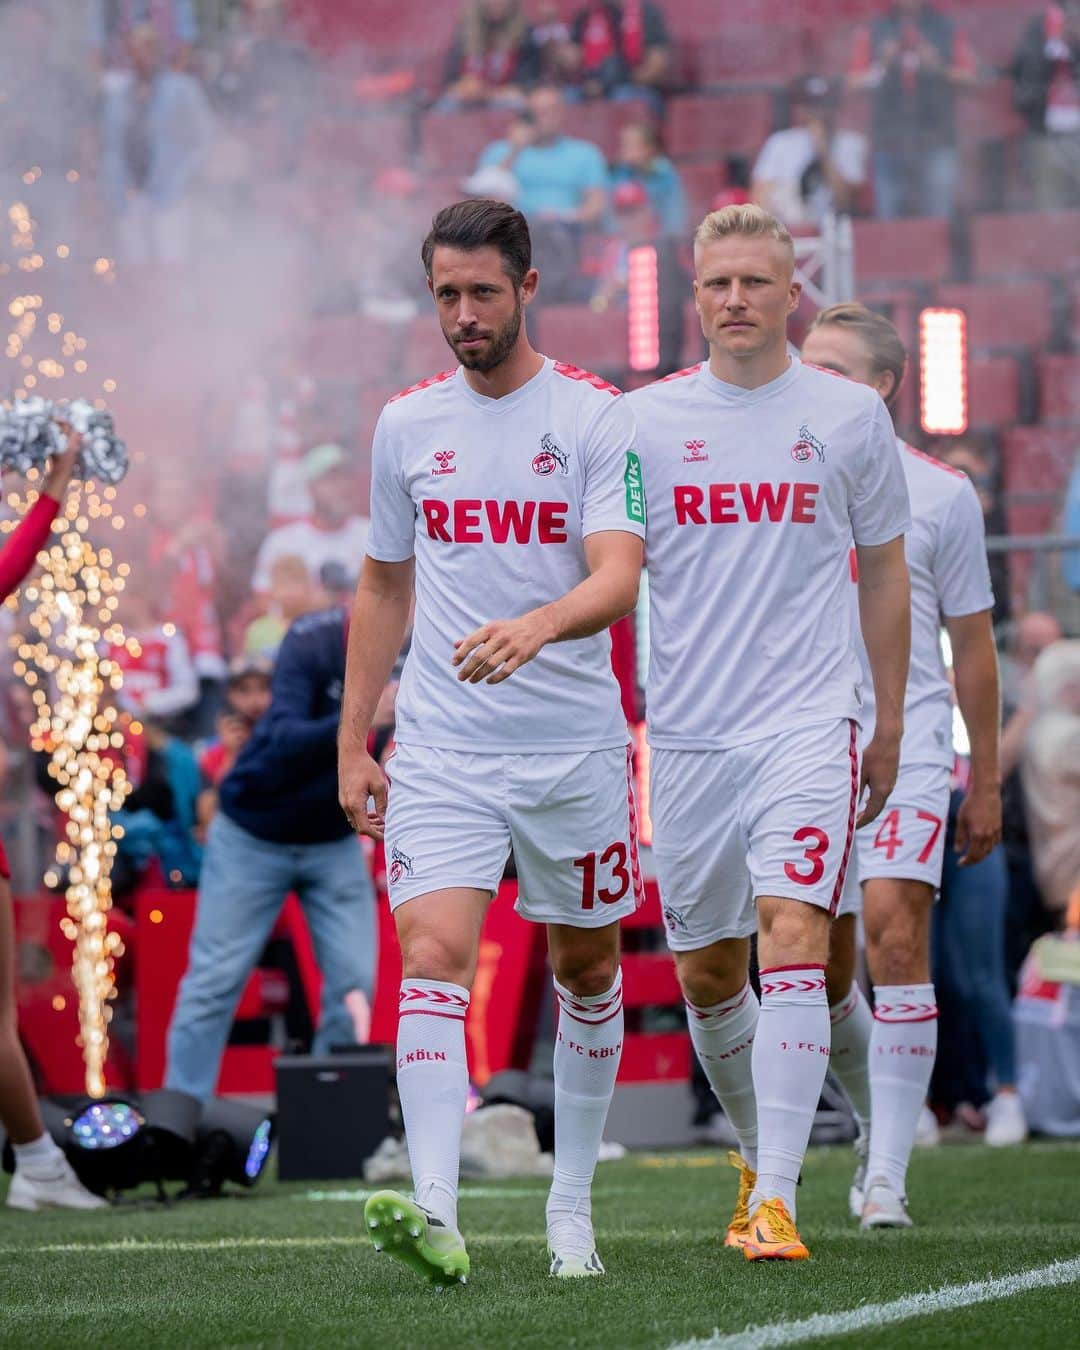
(288, 1265)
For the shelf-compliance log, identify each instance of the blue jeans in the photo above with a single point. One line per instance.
(244, 883)
(969, 957)
(915, 182)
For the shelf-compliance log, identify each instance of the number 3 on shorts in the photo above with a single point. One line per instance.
(615, 857)
(817, 845)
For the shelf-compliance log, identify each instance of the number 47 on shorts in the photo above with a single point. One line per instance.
(889, 839)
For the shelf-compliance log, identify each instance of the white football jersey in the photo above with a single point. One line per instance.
(495, 498)
(950, 577)
(754, 498)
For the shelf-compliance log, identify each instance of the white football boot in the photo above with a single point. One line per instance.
(883, 1208)
(52, 1185)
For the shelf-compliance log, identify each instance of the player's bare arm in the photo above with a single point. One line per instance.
(492, 652)
(975, 667)
(380, 614)
(885, 619)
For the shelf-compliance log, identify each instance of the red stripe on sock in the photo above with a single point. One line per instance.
(423, 1012)
(591, 1021)
(803, 965)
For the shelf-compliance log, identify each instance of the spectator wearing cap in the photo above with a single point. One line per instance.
(812, 168)
(279, 829)
(247, 697)
(493, 58)
(912, 59)
(333, 532)
(641, 160)
(620, 51)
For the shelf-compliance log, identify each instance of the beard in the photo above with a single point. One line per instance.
(500, 344)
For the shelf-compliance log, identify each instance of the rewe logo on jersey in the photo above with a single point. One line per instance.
(695, 456)
(807, 446)
(552, 457)
(752, 503)
(443, 463)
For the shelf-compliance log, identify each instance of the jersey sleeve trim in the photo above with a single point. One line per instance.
(424, 384)
(586, 376)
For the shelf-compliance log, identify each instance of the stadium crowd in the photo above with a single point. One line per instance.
(194, 130)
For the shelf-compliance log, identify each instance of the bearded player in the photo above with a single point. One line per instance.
(884, 1060)
(759, 472)
(511, 485)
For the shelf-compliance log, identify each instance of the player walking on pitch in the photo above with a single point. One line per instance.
(884, 1060)
(513, 485)
(759, 471)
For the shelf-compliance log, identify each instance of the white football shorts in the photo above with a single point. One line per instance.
(453, 817)
(775, 817)
(907, 840)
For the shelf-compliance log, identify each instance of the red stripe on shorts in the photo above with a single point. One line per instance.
(635, 861)
(853, 756)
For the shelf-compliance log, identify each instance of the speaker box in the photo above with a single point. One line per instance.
(333, 1111)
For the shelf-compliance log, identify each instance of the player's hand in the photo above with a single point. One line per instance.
(360, 778)
(978, 824)
(880, 761)
(494, 651)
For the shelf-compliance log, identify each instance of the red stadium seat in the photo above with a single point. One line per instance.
(701, 183)
(716, 125)
(453, 141)
(1036, 243)
(1059, 388)
(601, 122)
(1038, 458)
(986, 113)
(426, 352)
(1004, 314)
(582, 337)
(902, 250)
(369, 143)
(740, 55)
(993, 391)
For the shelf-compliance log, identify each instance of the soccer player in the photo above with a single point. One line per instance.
(511, 483)
(759, 472)
(885, 1060)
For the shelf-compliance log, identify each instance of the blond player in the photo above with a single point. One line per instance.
(884, 1059)
(511, 485)
(759, 472)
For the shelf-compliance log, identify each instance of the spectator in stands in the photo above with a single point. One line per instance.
(562, 186)
(620, 51)
(160, 680)
(157, 132)
(159, 816)
(913, 59)
(970, 458)
(550, 34)
(635, 223)
(279, 828)
(493, 59)
(293, 592)
(1046, 74)
(1050, 774)
(113, 22)
(813, 168)
(334, 532)
(247, 698)
(641, 160)
(1027, 917)
(380, 257)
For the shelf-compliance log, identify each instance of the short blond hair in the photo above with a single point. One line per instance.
(745, 219)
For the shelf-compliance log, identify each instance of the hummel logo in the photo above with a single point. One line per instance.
(443, 463)
(695, 456)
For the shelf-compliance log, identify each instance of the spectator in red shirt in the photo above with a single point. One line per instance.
(620, 51)
(912, 59)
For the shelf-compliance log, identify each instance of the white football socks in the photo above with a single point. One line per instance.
(40, 1157)
(588, 1047)
(723, 1036)
(903, 1046)
(433, 1085)
(790, 1059)
(852, 1026)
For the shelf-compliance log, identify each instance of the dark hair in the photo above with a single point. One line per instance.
(478, 224)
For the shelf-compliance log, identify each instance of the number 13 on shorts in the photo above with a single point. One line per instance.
(605, 877)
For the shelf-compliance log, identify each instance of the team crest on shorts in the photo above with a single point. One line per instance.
(674, 919)
(401, 865)
(552, 457)
(807, 446)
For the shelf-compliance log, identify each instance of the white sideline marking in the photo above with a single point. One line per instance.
(466, 1193)
(873, 1315)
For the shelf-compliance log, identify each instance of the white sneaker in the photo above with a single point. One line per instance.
(1005, 1121)
(927, 1130)
(572, 1248)
(883, 1208)
(58, 1188)
(858, 1185)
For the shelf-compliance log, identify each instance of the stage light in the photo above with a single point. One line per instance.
(233, 1144)
(643, 308)
(105, 1143)
(943, 371)
(171, 1131)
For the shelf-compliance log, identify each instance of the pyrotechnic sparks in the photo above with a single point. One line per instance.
(71, 683)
